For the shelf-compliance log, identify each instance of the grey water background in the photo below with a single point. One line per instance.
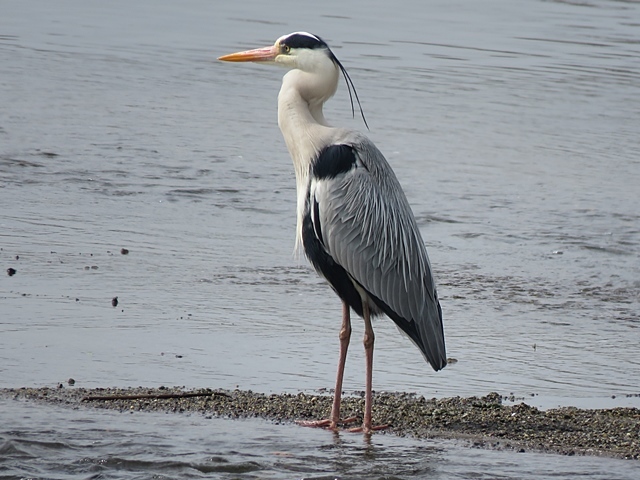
(513, 126)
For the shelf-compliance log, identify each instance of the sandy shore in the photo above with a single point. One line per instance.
(480, 421)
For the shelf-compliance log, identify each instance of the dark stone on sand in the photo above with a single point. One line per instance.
(479, 421)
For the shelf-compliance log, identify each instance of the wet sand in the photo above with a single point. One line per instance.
(483, 422)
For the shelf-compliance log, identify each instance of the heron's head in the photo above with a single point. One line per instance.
(298, 50)
(305, 52)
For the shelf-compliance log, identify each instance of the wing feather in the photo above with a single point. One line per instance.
(368, 228)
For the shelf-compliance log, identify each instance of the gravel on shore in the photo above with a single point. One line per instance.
(483, 422)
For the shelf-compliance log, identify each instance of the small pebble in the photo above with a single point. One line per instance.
(11, 271)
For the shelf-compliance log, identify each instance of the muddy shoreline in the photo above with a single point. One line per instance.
(483, 422)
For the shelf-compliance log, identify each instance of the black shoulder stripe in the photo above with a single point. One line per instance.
(316, 221)
(333, 160)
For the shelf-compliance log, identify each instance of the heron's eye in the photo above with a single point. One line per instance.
(286, 48)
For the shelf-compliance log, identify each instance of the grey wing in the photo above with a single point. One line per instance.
(369, 229)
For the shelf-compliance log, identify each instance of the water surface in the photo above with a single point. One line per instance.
(512, 126)
(107, 444)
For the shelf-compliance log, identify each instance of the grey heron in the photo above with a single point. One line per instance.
(354, 222)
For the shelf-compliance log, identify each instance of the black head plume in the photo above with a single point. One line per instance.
(350, 86)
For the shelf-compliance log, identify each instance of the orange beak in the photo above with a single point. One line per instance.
(265, 54)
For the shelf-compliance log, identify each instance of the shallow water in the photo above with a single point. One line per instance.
(513, 128)
(106, 444)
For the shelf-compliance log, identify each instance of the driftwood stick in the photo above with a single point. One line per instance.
(138, 396)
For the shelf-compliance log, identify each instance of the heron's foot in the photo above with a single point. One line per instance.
(327, 423)
(370, 429)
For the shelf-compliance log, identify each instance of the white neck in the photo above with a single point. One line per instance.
(303, 126)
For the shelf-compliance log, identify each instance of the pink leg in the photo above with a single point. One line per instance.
(369, 339)
(345, 336)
